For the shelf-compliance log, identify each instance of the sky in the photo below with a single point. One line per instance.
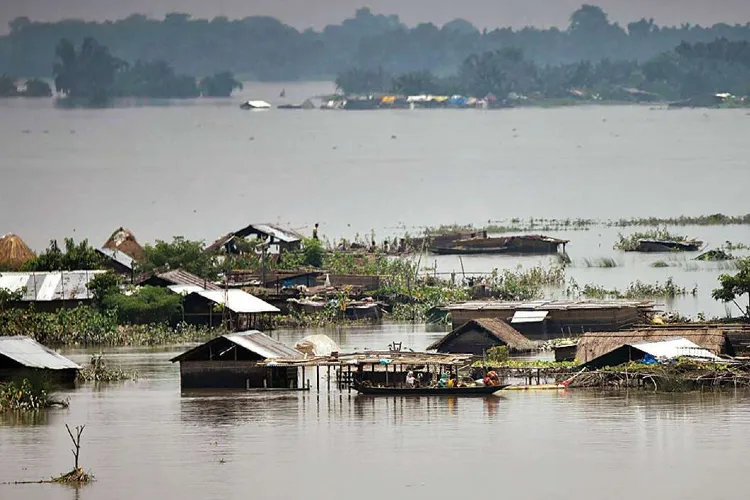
(316, 14)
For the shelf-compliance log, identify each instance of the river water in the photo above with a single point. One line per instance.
(145, 439)
(202, 168)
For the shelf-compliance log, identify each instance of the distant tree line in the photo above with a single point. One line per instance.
(94, 75)
(264, 48)
(689, 70)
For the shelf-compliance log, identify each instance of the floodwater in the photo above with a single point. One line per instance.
(202, 168)
(147, 440)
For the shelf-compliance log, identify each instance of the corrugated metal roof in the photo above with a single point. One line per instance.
(118, 256)
(529, 316)
(43, 287)
(181, 277)
(185, 289)
(281, 234)
(32, 354)
(238, 301)
(262, 344)
(675, 348)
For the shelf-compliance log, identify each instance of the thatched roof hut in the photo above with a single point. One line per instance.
(478, 335)
(14, 253)
(594, 344)
(124, 241)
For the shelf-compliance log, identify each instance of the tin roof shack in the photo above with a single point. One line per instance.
(179, 278)
(234, 361)
(277, 238)
(119, 262)
(50, 291)
(21, 356)
(236, 309)
(594, 345)
(562, 318)
(478, 335)
(653, 351)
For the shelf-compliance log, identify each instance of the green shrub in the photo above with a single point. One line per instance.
(498, 354)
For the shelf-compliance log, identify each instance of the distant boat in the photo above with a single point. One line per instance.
(255, 105)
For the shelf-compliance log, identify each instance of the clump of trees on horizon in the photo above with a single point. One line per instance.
(33, 87)
(94, 75)
(263, 48)
(689, 70)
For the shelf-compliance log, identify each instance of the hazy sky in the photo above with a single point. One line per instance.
(307, 13)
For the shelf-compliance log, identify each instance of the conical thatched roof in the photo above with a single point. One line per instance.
(124, 241)
(14, 253)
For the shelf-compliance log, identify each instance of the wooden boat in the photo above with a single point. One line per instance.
(480, 390)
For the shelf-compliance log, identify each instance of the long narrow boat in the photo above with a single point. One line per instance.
(484, 390)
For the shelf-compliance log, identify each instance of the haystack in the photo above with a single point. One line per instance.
(14, 253)
(124, 241)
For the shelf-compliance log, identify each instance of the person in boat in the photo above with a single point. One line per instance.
(410, 380)
(443, 382)
(315, 231)
(491, 378)
(453, 382)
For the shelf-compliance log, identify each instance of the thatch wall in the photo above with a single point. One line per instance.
(594, 344)
(14, 253)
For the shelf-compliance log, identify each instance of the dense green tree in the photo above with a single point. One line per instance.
(75, 257)
(179, 254)
(363, 81)
(416, 82)
(155, 79)
(8, 86)
(37, 88)
(88, 73)
(498, 73)
(219, 85)
(734, 286)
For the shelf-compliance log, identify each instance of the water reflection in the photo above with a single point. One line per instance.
(19, 418)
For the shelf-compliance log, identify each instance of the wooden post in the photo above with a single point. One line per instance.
(349, 374)
(303, 377)
(329, 378)
(317, 377)
(386, 375)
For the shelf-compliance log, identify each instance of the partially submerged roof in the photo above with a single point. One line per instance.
(253, 341)
(117, 256)
(594, 344)
(237, 301)
(496, 328)
(550, 305)
(31, 354)
(50, 286)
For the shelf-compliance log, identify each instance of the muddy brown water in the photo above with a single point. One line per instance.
(146, 439)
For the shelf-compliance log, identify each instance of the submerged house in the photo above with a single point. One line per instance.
(655, 351)
(557, 318)
(234, 361)
(480, 243)
(22, 356)
(478, 335)
(598, 345)
(647, 246)
(276, 238)
(235, 308)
